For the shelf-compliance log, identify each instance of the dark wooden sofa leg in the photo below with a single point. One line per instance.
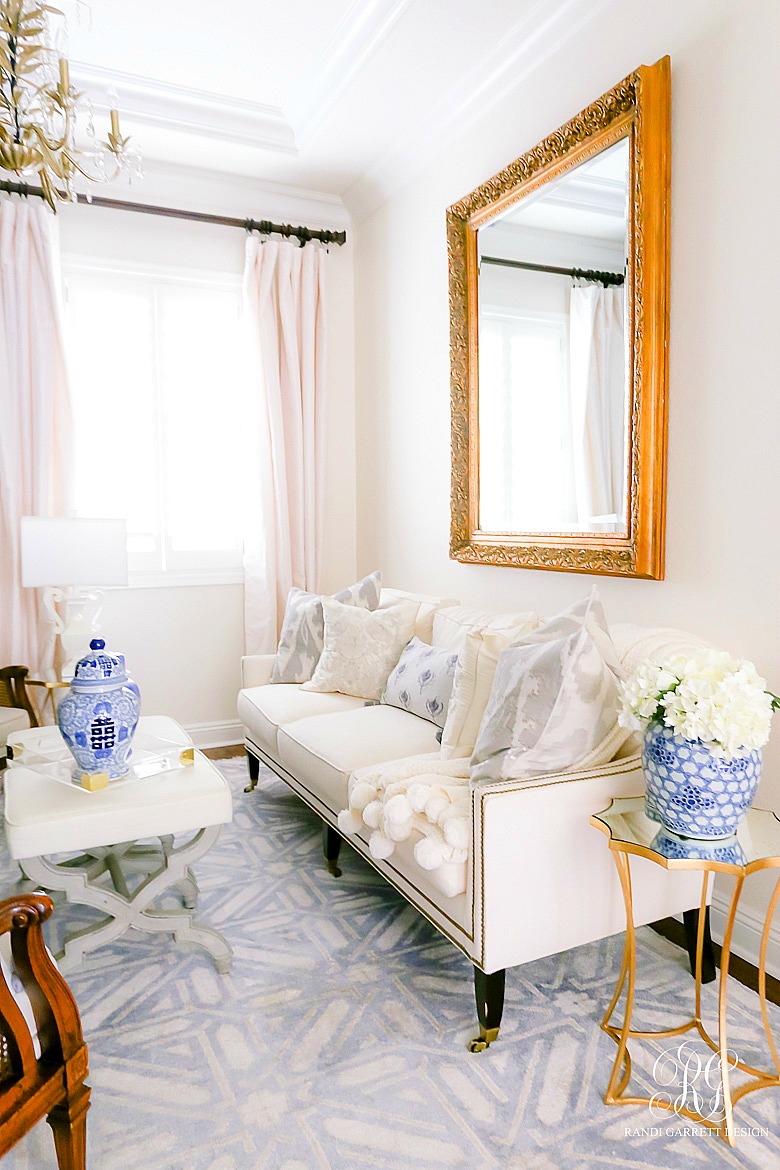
(691, 921)
(331, 847)
(254, 771)
(489, 992)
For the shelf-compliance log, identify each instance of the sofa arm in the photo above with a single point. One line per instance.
(544, 879)
(256, 669)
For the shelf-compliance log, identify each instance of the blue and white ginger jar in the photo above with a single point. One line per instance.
(693, 792)
(99, 714)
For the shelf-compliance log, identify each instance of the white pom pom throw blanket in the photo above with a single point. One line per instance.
(425, 793)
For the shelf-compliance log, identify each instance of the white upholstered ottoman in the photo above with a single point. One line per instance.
(123, 839)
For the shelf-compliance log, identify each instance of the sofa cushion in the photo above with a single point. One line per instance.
(264, 709)
(554, 704)
(301, 639)
(453, 624)
(361, 647)
(323, 750)
(474, 677)
(421, 681)
(428, 607)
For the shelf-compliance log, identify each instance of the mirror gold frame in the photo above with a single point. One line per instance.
(638, 108)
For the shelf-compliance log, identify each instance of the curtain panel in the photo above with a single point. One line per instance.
(285, 329)
(598, 402)
(35, 416)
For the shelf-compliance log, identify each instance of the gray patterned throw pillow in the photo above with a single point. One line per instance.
(303, 628)
(554, 703)
(421, 682)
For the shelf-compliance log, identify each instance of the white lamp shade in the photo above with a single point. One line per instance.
(73, 552)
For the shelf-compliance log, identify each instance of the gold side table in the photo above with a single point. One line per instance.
(756, 846)
(52, 689)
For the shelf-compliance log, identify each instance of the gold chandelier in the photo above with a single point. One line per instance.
(39, 110)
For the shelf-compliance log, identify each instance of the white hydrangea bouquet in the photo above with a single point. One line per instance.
(712, 697)
(705, 719)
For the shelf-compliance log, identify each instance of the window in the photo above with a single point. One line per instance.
(159, 395)
(525, 480)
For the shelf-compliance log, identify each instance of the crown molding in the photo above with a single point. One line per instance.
(518, 54)
(201, 189)
(188, 111)
(356, 37)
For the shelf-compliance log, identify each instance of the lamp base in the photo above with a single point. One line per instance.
(79, 627)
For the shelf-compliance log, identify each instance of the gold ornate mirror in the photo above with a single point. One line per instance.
(559, 274)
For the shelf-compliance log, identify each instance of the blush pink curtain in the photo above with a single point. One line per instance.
(284, 318)
(35, 416)
(599, 405)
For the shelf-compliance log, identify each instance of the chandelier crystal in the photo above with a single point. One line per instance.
(40, 111)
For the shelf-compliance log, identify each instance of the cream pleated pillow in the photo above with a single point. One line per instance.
(479, 654)
(361, 648)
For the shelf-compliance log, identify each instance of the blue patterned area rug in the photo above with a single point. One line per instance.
(339, 1039)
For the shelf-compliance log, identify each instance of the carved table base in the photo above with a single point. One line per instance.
(165, 867)
(618, 1091)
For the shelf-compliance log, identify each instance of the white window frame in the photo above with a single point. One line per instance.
(214, 573)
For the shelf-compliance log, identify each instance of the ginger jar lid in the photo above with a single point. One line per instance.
(99, 666)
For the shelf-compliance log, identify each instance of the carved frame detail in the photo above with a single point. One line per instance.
(638, 108)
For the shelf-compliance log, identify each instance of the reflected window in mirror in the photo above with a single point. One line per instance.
(553, 399)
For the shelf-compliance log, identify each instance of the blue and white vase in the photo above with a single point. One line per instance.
(678, 848)
(99, 714)
(693, 792)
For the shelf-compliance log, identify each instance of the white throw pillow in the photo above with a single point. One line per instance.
(301, 639)
(554, 703)
(361, 648)
(474, 675)
(15, 986)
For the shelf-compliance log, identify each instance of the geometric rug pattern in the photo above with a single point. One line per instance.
(339, 1039)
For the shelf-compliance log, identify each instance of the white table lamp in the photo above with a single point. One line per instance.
(67, 557)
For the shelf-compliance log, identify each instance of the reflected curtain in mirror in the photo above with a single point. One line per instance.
(559, 321)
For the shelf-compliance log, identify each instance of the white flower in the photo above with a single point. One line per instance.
(710, 696)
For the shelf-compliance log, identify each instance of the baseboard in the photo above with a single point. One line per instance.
(214, 735)
(746, 936)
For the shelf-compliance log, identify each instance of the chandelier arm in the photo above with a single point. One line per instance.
(52, 147)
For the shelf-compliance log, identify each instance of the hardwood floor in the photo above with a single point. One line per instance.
(742, 971)
(224, 753)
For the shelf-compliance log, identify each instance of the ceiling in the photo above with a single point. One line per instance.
(590, 200)
(327, 95)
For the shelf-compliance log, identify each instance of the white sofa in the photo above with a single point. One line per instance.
(538, 880)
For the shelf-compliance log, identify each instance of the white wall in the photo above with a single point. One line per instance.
(723, 537)
(184, 643)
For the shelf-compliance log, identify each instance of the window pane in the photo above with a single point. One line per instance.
(523, 423)
(203, 390)
(111, 361)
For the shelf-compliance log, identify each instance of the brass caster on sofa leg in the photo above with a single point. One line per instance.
(484, 1040)
(254, 772)
(331, 844)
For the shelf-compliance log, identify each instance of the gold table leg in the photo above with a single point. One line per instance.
(621, 1070)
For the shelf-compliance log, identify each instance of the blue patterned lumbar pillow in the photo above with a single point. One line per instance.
(421, 681)
(303, 628)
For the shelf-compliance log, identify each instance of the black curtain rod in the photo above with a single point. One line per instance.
(606, 278)
(264, 226)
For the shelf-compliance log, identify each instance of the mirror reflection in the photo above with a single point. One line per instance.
(553, 355)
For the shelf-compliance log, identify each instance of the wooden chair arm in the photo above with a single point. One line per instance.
(13, 691)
